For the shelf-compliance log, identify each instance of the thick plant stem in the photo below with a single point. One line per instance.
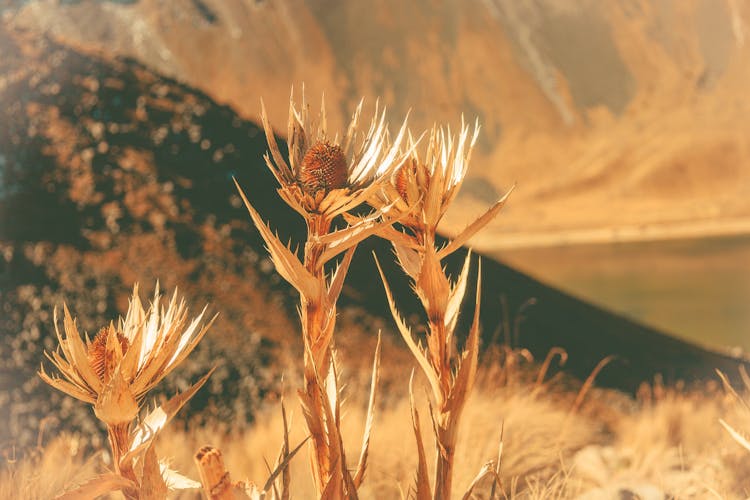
(314, 391)
(318, 321)
(445, 418)
(118, 436)
(444, 474)
(449, 406)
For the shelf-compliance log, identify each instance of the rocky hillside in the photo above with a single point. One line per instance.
(618, 119)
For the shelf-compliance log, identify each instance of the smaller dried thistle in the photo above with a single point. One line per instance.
(420, 193)
(114, 371)
(421, 190)
(137, 353)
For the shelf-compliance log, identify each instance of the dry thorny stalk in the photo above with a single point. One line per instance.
(419, 194)
(323, 178)
(113, 372)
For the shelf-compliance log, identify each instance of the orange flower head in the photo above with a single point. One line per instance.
(323, 168)
(330, 174)
(104, 363)
(411, 180)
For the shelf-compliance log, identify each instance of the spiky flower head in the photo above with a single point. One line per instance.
(114, 370)
(326, 174)
(323, 168)
(424, 187)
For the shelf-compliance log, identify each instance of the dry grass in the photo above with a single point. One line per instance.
(671, 444)
(45, 472)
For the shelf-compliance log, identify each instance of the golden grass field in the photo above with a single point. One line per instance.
(664, 444)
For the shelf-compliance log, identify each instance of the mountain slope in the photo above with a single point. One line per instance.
(617, 119)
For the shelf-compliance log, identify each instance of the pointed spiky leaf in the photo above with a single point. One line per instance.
(362, 465)
(464, 380)
(98, 486)
(457, 296)
(409, 259)
(337, 282)
(278, 158)
(152, 485)
(407, 336)
(344, 239)
(77, 353)
(475, 226)
(432, 286)
(287, 264)
(116, 404)
(331, 409)
(422, 479)
(159, 417)
(66, 387)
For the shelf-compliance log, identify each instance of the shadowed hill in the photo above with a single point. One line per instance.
(111, 173)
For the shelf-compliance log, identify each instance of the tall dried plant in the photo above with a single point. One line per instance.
(113, 372)
(419, 193)
(324, 177)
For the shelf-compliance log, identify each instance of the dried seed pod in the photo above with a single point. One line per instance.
(401, 181)
(323, 168)
(100, 360)
(411, 179)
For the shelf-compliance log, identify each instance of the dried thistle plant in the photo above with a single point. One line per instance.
(113, 372)
(419, 193)
(325, 177)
